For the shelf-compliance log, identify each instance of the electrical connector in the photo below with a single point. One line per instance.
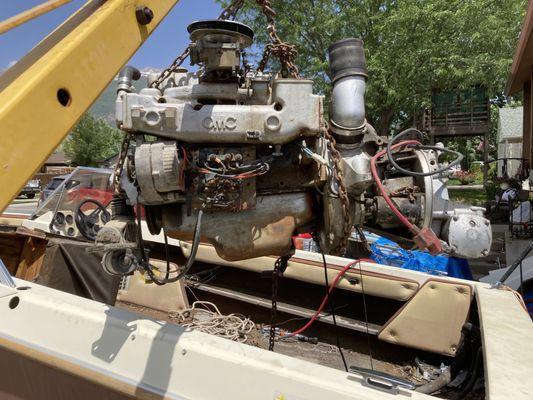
(427, 239)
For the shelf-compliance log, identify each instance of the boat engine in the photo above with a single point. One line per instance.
(252, 154)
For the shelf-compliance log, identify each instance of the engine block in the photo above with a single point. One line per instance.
(249, 150)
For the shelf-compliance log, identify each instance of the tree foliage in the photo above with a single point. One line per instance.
(91, 141)
(412, 46)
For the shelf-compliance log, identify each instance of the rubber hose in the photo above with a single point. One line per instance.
(438, 383)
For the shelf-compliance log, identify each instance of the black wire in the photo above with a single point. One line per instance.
(521, 280)
(332, 305)
(167, 274)
(190, 260)
(196, 279)
(458, 159)
(291, 320)
(366, 316)
(475, 372)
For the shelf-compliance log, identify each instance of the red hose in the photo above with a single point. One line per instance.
(414, 229)
(326, 297)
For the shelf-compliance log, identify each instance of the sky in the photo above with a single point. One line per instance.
(168, 40)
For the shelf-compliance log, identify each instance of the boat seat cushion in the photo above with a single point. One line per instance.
(432, 320)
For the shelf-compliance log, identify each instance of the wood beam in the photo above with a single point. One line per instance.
(526, 128)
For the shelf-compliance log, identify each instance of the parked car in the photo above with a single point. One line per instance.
(31, 189)
(51, 186)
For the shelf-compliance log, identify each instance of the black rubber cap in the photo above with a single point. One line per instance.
(347, 57)
(130, 72)
(226, 25)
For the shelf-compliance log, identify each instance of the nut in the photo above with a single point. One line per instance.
(144, 15)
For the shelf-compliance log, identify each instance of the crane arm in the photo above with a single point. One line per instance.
(48, 90)
(30, 14)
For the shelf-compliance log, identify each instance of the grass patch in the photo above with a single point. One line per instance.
(475, 197)
(453, 182)
(457, 182)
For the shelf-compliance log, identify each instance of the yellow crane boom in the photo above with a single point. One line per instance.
(30, 14)
(48, 90)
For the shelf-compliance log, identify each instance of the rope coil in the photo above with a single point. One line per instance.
(205, 316)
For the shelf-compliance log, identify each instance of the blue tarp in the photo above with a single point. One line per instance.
(385, 251)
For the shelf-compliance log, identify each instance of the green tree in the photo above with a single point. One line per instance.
(411, 46)
(92, 140)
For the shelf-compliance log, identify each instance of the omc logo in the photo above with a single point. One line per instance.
(220, 124)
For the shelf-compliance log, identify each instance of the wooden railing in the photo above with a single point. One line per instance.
(458, 118)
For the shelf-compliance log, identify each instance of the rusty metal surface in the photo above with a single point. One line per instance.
(265, 230)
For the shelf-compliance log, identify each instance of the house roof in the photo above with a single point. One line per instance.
(523, 57)
(56, 158)
(510, 122)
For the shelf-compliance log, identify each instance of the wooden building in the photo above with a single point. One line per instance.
(459, 113)
(520, 78)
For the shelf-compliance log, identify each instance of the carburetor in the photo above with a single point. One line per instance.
(249, 153)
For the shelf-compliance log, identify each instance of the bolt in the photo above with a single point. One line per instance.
(472, 222)
(144, 15)
(455, 218)
(485, 252)
(183, 352)
(132, 337)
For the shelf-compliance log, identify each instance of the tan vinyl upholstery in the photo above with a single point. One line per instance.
(384, 285)
(375, 284)
(10, 221)
(432, 319)
(167, 298)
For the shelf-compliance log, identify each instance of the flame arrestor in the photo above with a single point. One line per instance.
(348, 75)
(217, 45)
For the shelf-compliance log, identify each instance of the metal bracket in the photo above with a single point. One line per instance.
(510, 270)
(381, 381)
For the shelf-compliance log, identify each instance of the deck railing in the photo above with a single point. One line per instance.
(457, 116)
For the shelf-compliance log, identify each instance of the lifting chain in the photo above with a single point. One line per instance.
(279, 268)
(342, 192)
(284, 52)
(230, 12)
(120, 162)
(362, 238)
(172, 68)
